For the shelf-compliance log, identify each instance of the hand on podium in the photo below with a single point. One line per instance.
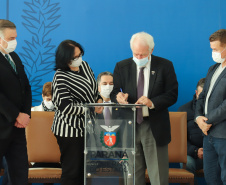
(99, 109)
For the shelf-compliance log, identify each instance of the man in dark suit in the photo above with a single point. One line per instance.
(149, 80)
(194, 134)
(105, 86)
(15, 107)
(211, 113)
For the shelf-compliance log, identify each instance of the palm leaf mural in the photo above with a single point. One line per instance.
(40, 19)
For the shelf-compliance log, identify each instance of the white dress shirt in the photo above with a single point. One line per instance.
(37, 108)
(147, 69)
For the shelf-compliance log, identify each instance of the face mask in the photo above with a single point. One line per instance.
(141, 62)
(76, 62)
(49, 104)
(11, 46)
(105, 90)
(217, 57)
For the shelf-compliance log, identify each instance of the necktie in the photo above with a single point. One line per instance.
(107, 115)
(11, 62)
(140, 92)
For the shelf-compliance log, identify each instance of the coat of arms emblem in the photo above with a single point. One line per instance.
(109, 138)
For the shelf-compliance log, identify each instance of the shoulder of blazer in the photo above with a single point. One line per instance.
(126, 62)
(186, 106)
(154, 59)
(15, 56)
(213, 67)
(160, 60)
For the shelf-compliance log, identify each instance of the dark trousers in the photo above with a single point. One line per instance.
(72, 160)
(214, 160)
(14, 149)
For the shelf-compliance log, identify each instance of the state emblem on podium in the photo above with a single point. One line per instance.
(109, 138)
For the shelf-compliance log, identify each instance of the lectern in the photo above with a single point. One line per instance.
(109, 153)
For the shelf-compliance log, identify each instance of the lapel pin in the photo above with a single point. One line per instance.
(152, 72)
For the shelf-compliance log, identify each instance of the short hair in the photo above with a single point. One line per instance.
(201, 83)
(65, 53)
(219, 35)
(106, 73)
(47, 89)
(144, 37)
(6, 24)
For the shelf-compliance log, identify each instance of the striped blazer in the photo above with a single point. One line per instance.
(71, 89)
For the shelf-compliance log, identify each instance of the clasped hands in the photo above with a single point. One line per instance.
(22, 120)
(122, 99)
(201, 121)
(200, 153)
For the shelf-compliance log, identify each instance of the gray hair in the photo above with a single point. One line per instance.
(6, 24)
(106, 73)
(144, 37)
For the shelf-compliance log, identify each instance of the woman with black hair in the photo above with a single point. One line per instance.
(73, 85)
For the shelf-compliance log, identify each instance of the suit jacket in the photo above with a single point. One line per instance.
(216, 112)
(163, 92)
(195, 136)
(15, 94)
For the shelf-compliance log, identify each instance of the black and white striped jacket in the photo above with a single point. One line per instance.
(70, 91)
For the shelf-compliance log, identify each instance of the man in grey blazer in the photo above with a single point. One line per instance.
(211, 113)
(149, 80)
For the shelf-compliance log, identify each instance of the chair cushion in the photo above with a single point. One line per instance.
(180, 173)
(176, 173)
(43, 173)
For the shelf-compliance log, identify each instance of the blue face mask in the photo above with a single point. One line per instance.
(141, 62)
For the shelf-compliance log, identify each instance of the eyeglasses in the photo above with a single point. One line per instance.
(77, 57)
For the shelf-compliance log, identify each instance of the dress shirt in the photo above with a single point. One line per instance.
(147, 69)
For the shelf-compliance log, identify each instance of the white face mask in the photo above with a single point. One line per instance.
(105, 90)
(49, 104)
(11, 46)
(217, 57)
(141, 62)
(76, 62)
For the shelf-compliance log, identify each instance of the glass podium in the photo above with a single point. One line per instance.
(109, 152)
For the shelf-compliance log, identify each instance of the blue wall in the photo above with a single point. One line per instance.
(180, 29)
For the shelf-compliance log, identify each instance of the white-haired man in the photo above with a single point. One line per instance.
(149, 80)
